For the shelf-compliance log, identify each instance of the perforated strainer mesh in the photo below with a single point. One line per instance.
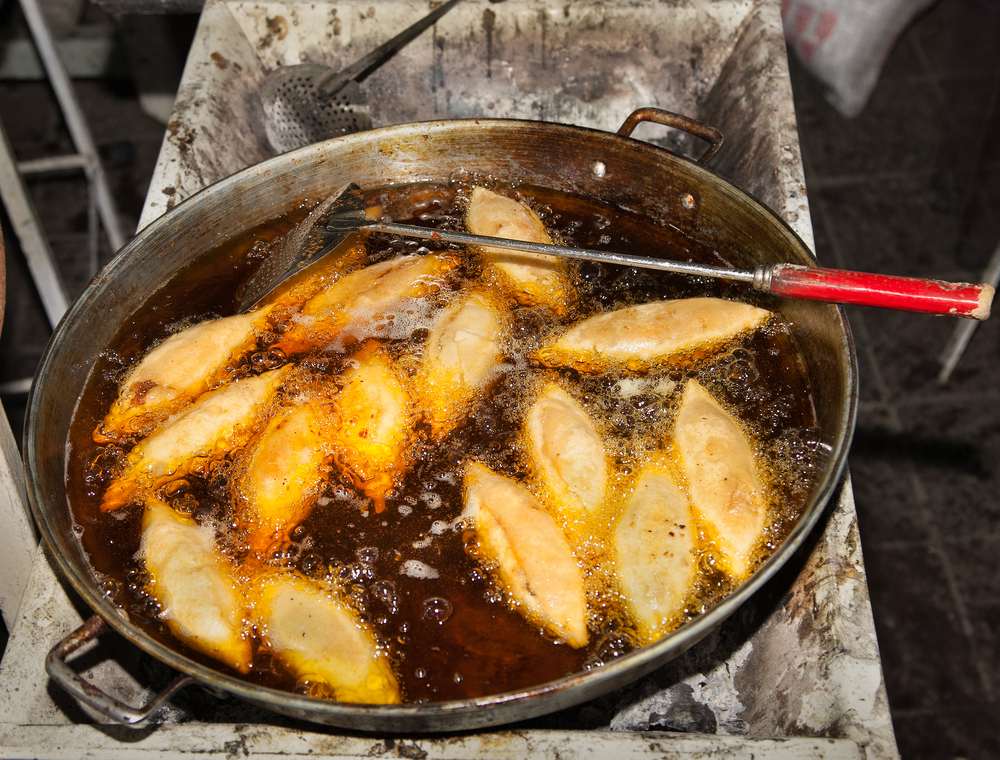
(297, 114)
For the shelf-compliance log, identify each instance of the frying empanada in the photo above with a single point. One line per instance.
(461, 356)
(655, 552)
(284, 471)
(355, 306)
(217, 422)
(530, 553)
(194, 585)
(307, 626)
(532, 278)
(177, 371)
(652, 333)
(721, 472)
(569, 458)
(376, 424)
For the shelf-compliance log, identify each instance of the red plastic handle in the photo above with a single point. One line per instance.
(957, 299)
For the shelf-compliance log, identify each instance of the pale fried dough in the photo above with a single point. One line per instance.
(654, 552)
(352, 306)
(533, 278)
(376, 424)
(530, 552)
(569, 457)
(194, 585)
(721, 471)
(652, 332)
(179, 370)
(462, 354)
(309, 628)
(217, 422)
(284, 470)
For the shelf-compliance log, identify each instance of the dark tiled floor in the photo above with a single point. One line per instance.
(912, 187)
(909, 187)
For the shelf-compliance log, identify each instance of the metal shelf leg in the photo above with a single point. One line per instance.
(960, 338)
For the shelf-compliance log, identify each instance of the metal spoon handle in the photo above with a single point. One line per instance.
(330, 85)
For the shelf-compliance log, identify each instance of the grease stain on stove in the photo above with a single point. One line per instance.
(489, 22)
(543, 20)
(182, 138)
(277, 29)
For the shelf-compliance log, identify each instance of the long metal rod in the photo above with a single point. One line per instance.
(75, 121)
(588, 254)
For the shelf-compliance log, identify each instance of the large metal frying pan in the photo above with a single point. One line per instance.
(615, 169)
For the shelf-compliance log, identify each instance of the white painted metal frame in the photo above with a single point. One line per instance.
(88, 157)
(17, 531)
(101, 203)
(102, 206)
(964, 330)
(36, 249)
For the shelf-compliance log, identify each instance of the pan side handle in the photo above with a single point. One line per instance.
(699, 129)
(59, 671)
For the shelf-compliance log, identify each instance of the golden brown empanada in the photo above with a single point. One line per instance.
(654, 551)
(721, 472)
(569, 458)
(177, 371)
(217, 422)
(461, 356)
(652, 333)
(194, 585)
(532, 557)
(307, 626)
(532, 278)
(376, 422)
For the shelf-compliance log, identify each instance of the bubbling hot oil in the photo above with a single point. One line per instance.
(413, 571)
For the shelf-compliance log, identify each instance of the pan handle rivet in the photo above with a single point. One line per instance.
(687, 201)
(599, 169)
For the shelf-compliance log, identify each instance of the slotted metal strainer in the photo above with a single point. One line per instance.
(310, 102)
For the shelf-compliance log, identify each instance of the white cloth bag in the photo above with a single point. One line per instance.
(844, 43)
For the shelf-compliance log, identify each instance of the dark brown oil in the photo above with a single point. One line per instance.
(453, 635)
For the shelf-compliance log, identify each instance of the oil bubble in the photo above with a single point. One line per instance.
(437, 609)
(310, 562)
(185, 504)
(385, 592)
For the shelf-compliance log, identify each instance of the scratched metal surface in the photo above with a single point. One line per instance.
(588, 63)
(799, 663)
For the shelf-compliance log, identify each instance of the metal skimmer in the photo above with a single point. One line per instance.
(309, 102)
